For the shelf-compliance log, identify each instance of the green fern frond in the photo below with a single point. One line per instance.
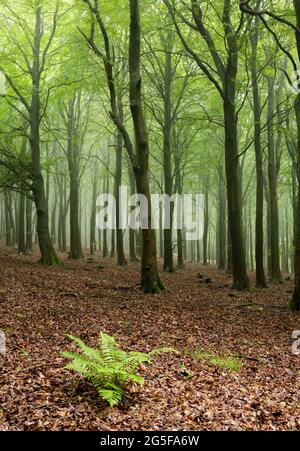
(108, 346)
(89, 352)
(108, 368)
(136, 378)
(138, 357)
(112, 396)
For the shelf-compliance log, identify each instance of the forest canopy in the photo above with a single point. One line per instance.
(185, 98)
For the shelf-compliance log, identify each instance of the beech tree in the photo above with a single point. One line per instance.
(138, 153)
(223, 75)
(33, 67)
(263, 15)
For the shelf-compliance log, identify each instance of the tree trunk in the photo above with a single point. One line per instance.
(272, 179)
(71, 114)
(168, 247)
(75, 234)
(21, 234)
(28, 224)
(105, 244)
(118, 182)
(240, 277)
(178, 190)
(287, 242)
(9, 219)
(21, 212)
(205, 234)
(48, 255)
(93, 216)
(221, 223)
(259, 228)
(132, 250)
(53, 218)
(150, 280)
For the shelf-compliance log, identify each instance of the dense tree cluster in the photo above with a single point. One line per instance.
(165, 96)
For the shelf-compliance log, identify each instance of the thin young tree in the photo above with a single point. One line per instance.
(259, 227)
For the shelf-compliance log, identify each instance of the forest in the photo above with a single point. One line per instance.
(149, 215)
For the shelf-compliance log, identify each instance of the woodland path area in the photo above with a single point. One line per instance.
(39, 304)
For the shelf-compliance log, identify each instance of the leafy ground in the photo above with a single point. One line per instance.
(208, 323)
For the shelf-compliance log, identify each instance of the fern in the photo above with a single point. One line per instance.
(107, 367)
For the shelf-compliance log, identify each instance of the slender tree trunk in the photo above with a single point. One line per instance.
(28, 224)
(272, 178)
(47, 175)
(21, 212)
(75, 234)
(168, 246)
(179, 190)
(221, 223)
(53, 217)
(113, 244)
(229, 250)
(21, 234)
(93, 216)
(9, 220)
(72, 116)
(198, 251)
(63, 211)
(206, 223)
(113, 234)
(259, 229)
(132, 250)
(118, 183)
(105, 245)
(287, 243)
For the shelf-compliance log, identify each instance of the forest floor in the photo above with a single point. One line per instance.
(185, 391)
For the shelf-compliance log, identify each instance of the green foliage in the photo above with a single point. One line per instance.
(108, 367)
(222, 361)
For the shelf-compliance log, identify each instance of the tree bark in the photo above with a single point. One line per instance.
(93, 246)
(132, 235)
(240, 277)
(221, 222)
(168, 246)
(272, 179)
(28, 224)
(48, 254)
(105, 244)
(118, 182)
(205, 234)
(9, 219)
(259, 228)
(21, 234)
(150, 280)
(71, 113)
